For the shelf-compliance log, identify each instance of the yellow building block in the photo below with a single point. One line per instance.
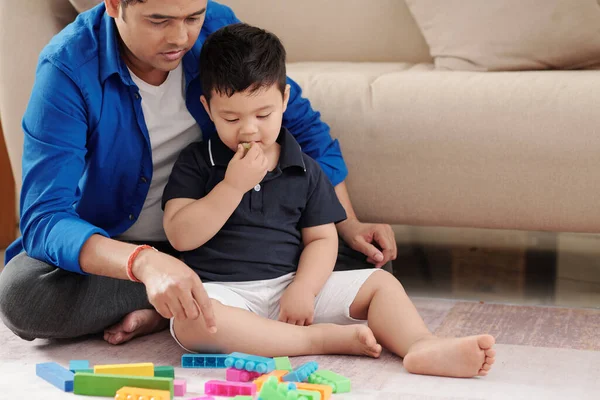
(130, 393)
(325, 390)
(263, 378)
(142, 369)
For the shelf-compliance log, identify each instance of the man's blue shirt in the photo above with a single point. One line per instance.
(87, 162)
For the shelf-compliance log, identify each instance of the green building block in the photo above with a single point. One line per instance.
(108, 385)
(283, 364)
(340, 384)
(85, 370)
(273, 390)
(243, 398)
(164, 371)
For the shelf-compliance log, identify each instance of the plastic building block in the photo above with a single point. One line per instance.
(203, 360)
(243, 398)
(79, 365)
(324, 390)
(205, 398)
(283, 364)
(179, 387)
(339, 383)
(230, 389)
(301, 373)
(250, 363)
(108, 385)
(130, 393)
(165, 371)
(240, 375)
(273, 390)
(141, 369)
(277, 374)
(56, 374)
(309, 395)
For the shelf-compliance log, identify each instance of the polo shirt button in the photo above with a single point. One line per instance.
(257, 188)
(137, 96)
(144, 180)
(131, 217)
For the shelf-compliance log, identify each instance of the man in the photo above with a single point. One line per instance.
(114, 102)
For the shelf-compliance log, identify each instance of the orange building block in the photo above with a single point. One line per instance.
(263, 378)
(325, 390)
(131, 393)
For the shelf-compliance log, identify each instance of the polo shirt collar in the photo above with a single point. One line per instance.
(290, 156)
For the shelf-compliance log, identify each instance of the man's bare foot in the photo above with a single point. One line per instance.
(456, 357)
(137, 323)
(346, 339)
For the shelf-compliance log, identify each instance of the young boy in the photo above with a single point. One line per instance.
(258, 228)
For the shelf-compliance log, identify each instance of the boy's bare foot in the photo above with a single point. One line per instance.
(347, 339)
(458, 357)
(137, 323)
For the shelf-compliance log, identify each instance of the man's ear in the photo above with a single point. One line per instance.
(206, 107)
(286, 97)
(113, 7)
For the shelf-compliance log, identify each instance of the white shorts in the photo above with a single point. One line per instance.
(332, 304)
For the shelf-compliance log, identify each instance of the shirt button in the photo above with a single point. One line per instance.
(257, 188)
(144, 180)
(137, 96)
(131, 217)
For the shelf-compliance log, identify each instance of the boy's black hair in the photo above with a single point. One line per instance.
(241, 57)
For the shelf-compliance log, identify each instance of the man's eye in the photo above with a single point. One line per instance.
(264, 116)
(157, 23)
(193, 19)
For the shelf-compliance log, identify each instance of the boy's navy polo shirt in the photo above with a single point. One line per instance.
(262, 238)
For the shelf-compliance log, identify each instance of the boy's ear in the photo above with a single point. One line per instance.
(286, 97)
(113, 7)
(206, 107)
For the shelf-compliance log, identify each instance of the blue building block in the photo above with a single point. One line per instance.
(262, 365)
(78, 365)
(203, 360)
(55, 374)
(301, 373)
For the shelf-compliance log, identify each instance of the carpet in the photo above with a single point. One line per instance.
(543, 353)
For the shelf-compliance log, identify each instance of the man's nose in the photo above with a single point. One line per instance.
(179, 35)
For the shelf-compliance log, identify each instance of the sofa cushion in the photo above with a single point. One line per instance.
(503, 35)
(514, 150)
(84, 5)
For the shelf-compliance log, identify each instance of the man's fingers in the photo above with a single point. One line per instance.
(309, 321)
(164, 310)
(368, 249)
(387, 245)
(301, 323)
(189, 307)
(206, 308)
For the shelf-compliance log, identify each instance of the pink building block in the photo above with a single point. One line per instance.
(240, 375)
(230, 389)
(203, 398)
(179, 387)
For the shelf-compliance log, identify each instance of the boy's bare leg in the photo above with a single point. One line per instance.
(399, 328)
(246, 332)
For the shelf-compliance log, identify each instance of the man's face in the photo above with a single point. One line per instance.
(248, 117)
(157, 33)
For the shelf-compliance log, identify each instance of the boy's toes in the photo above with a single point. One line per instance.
(486, 367)
(490, 360)
(482, 372)
(490, 353)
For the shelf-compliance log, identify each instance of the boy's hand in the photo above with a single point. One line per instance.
(297, 305)
(173, 288)
(246, 171)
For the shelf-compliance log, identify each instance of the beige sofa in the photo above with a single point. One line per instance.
(516, 150)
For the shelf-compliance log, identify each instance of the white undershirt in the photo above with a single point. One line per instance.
(171, 128)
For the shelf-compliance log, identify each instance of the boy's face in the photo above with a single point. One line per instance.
(248, 117)
(157, 33)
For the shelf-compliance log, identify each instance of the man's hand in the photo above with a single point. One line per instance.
(297, 305)
(246, 171)
(173, 288)
(376, 241)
